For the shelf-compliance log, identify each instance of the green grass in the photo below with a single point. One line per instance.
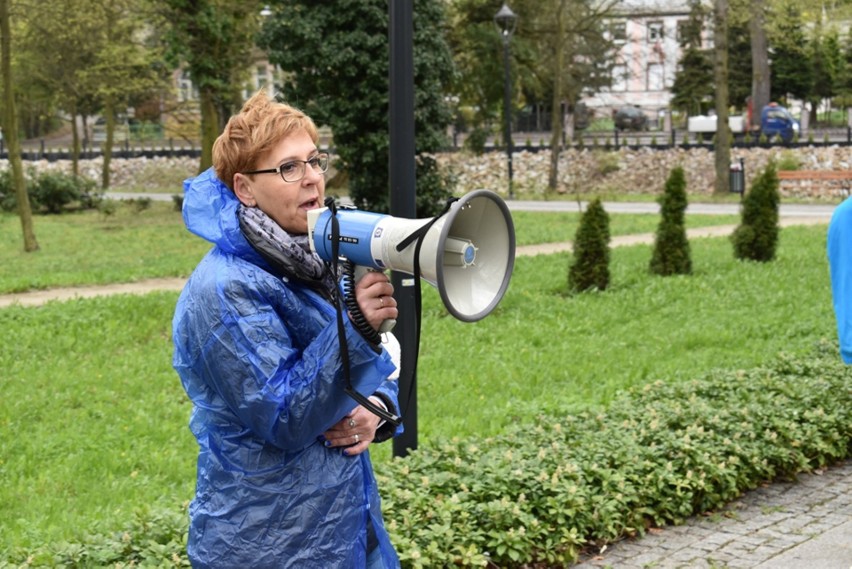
(543, 349)
(93, 418)
(93, 421)
(87, 248)
(555, 227)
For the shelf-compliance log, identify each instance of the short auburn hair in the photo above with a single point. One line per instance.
(258, 127)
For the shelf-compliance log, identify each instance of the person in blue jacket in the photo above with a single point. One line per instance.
(284, 477)
(839, 247)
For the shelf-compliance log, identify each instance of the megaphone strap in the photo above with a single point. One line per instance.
(420, 233)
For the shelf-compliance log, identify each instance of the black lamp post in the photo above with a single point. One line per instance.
(506, 21)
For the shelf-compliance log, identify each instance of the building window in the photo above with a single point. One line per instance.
(186, 90)
(619, 78)
(618, 31)
(655, 32)
(262, 77)
(656, 78)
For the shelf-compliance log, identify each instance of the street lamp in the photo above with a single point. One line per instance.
(506, 21)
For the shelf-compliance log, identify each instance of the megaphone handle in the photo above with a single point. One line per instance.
(352, 274)
(358, 274)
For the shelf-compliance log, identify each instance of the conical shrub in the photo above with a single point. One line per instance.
(590, 266)
(671, 254)
(756, 238)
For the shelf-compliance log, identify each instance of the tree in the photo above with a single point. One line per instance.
(215, 39)
(756, 238)
(760, 84)
(693, 82)
(791, 71)
(723, 132)
(122, 68)
(590, 266)
(671, 248)
(740, 77)
(573, 55)
(62, 49)
(336, 58)
(844, 85)
(10, 129)
(824, 55)
(478, 82)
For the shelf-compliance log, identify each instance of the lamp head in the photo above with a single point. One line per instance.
(506, 20)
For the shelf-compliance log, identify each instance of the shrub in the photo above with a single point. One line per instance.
(789, 160)
(756, 238)
(138, 205)
(590, 267)
(434, 185)
(542, 492)
(50, 191)
(553, 485)
(54, 191)
(606, 162)
(476, 139)
(7, 192)
(107, 208)
(671, 254)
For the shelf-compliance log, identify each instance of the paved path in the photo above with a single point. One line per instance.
(805, 524)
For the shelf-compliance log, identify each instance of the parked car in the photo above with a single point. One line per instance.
(776, 120)
(630, 117)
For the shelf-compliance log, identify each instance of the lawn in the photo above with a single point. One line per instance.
(89, 248)
(93, 420)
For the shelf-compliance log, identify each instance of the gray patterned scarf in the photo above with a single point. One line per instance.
(290, 255)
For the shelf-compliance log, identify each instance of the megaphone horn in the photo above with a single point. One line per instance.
(468, 253)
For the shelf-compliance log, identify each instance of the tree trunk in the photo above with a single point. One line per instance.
(75, 144)
(209, 128)
(10, 129)
(556, 104)
(109, 115)
(760, 77)
(723, 132)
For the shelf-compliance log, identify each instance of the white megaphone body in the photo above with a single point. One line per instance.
(467, 254)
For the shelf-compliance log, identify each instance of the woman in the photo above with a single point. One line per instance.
(284, 476)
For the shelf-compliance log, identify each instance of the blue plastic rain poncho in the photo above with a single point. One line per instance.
(840, 264)
(260, 359)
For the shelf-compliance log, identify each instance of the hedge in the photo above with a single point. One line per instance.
(548, 488)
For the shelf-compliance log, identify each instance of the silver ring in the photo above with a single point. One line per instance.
(357, 438)
(351, 423)
(382, 300)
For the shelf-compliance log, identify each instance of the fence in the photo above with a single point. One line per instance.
(613, 139)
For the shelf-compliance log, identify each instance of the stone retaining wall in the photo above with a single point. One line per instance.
(628, 171)
(641, 171)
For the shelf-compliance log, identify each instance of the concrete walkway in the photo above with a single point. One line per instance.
(803, 524)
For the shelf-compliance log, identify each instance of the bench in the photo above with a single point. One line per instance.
(815, 182)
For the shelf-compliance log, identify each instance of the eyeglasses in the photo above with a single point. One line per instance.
(294, 170)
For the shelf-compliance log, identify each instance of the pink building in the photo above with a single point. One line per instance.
(648, 32)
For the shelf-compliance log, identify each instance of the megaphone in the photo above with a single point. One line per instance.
(468, 253)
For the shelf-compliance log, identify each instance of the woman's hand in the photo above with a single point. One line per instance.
(374, 294)
(355, 431)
